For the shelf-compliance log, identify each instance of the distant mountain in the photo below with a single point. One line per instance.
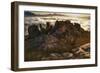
(28, 13)
(53, 14)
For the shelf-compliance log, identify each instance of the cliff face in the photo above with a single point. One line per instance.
(63, 41)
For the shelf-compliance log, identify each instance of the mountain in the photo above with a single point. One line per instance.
(28, 13)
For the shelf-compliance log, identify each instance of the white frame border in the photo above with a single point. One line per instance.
(34, 64)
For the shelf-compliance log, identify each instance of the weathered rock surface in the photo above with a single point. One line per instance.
(63, 41)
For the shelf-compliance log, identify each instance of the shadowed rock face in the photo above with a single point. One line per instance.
(63, 37)
(62, 41)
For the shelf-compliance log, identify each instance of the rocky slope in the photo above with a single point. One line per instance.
(65, 40)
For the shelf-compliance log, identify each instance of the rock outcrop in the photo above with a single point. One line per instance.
(63, 41)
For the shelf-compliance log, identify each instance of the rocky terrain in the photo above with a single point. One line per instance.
(65, 40)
